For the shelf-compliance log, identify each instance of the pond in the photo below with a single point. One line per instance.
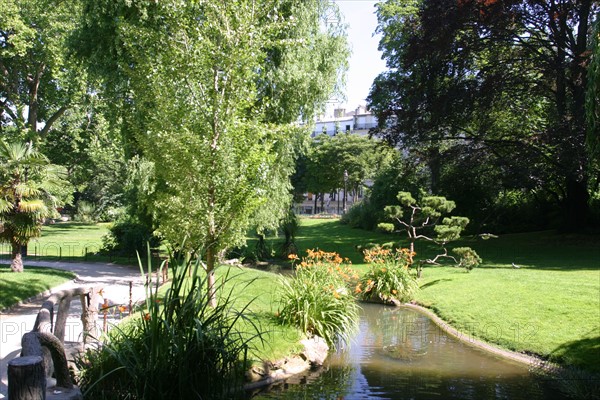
(399, 353)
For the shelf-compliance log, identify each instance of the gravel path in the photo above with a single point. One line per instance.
(20, 319)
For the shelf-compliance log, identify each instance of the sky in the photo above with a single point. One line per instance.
(365, 61)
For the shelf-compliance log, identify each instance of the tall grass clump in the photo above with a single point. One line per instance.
(319, 299)
(388, 279)
(176, 347)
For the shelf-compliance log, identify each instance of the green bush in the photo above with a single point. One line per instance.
(86, 212)
(319, 299)
(468, 258)
(128, 237)
(176, 347)
(388, 279)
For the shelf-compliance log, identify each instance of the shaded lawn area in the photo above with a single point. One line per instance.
(549, 306)
(15, 287)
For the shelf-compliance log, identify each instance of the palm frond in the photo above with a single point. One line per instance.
(27, 190)
(5, 205)
(36, 206)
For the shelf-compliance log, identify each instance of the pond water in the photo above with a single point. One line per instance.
(400, 353)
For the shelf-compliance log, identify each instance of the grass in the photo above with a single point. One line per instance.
(550, 306)
(15, 287)
(72, 241)
(259, 291)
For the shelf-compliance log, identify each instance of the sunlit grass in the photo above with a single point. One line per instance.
(257, 293)
(15, 287)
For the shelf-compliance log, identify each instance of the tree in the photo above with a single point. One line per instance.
(344, 160)
(217, 88)
(506, 77)
(417, 219)
(31, 190)
(38, 81)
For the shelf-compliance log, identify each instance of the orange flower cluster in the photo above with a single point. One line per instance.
(334, 263)
(380, 255)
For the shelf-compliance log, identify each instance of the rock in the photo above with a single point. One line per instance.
(315, 350)
(294, 365)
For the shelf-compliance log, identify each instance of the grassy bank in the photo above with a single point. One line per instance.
(15, 287)
(549, 306)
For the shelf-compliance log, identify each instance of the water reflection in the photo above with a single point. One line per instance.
(400, 354)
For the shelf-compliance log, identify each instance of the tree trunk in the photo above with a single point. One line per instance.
(16, 264)
(210, 278)
(26, 378)
(576, 206)
(434, 165)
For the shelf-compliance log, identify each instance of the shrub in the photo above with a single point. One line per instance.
(289, 228)
(319, 300)
(177, 347)
(86, 212)
(128, 237)
(468, 258)
(388, 279)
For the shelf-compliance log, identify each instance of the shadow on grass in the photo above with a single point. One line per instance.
(584, 353)
(428, 284)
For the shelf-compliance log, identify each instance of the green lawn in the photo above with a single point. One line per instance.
(256, 292)
(65, 239)
(70, 241)
(549, 306)
(15, 287)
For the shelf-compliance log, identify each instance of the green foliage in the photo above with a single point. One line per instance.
(319, 300)
(330, 158)
(85, 212)
(386, 227)
(468, 258)
(289, 227)
(359, 212)
(417, 219)
(388, 279)
(39, 81)
(30, 191)
(206, 81)
(399, 173)
(499, 85)
(176, 347)
(127, 237)
(593, 97)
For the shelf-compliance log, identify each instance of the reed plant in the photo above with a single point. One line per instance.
(176, 347)
(319, 299)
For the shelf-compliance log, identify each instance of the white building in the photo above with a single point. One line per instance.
(358, 122)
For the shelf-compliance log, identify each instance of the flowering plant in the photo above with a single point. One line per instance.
(388, 280)
(319, 299)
